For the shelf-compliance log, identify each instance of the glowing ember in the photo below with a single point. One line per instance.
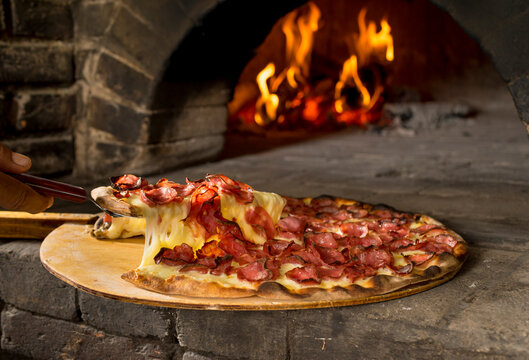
(292, 99)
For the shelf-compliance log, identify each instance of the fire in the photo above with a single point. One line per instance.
(270, 101)
(350, 71)
(354, 98)
(369, 45)
(299, 37)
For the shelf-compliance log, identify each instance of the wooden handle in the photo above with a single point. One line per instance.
(21, 225)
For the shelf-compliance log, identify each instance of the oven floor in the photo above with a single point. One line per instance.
(473, 176)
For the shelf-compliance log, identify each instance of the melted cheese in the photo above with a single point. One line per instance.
(165, 226)
(125, 227)
(398, 260)
(232, 210)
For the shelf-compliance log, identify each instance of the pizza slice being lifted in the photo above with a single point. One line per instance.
(218, 237)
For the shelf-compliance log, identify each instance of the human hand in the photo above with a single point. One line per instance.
(15, 195)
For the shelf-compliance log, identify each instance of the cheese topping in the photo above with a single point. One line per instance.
(232, 210)
(166, 226)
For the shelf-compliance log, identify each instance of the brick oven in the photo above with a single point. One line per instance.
(97, 87)
(92, 88)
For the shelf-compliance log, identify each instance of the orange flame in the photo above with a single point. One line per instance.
(350, 71)
(268, 100)
(368, 43)
(299, 37)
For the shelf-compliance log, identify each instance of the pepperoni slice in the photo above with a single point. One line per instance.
(232, 246)
(375, 258)
(242, 192)
(253, 272)
(275, 247)
(289, 235)
(179, 255)
(223, 266)
(323, 201)
(292, 224)
(127, 182)
(207, 261)
(341, 215)
(399, 243)
(159, 196)
(182, 190)
(445, 239)
(330, 272)
(309, 255)
(367, 241)
(273, 265)
(330, 256)
(325, 239)
(305, 274)
(259, 217)
(358, 230)
(184, 252)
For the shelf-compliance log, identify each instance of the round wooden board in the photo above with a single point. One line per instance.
(95, 266)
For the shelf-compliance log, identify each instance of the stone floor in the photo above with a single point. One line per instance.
(471, 174)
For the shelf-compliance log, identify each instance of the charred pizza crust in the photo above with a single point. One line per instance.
(440, 268)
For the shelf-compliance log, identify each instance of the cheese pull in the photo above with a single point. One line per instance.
(191, 214)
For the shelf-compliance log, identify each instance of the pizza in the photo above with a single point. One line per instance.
(218, 237)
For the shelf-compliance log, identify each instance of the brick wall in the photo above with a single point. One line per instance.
(38, 94)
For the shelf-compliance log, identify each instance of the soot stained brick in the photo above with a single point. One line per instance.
(41, 337)
(26, 284)
(30, 63)
(253, 335)
(43, 111)
(44, 19)
(123, 123)
(126, 319)
(124, 80)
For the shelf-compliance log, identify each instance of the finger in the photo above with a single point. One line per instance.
(17, 196)
(14, 162)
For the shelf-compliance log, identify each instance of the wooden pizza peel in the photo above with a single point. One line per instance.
(93, 265)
